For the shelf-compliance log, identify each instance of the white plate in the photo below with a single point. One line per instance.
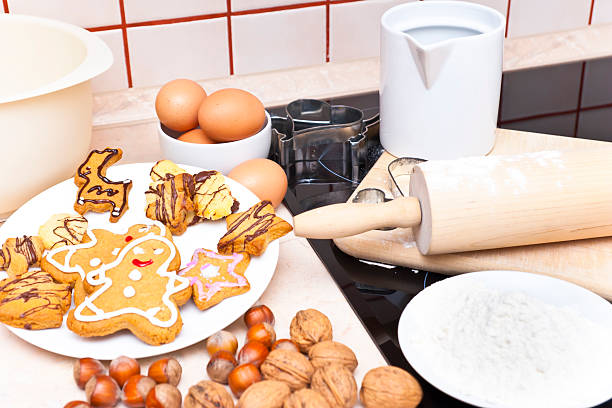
(549, 290)
(197, 325)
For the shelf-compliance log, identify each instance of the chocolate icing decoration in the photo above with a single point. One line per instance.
(100, 184)
(160, 191)
(69, 230)
(31, 281)
(261, 225)
(26, 247)
(204, 175)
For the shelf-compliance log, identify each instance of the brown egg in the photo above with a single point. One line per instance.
(177, 104)
(195, 136)
(231, 114)
(263, 177)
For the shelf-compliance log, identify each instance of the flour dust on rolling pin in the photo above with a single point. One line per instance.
(502, 201)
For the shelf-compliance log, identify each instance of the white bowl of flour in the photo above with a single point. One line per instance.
(511, 339)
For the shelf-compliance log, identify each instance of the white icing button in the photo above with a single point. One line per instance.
(209, 271)
(138, 250)
(95, 262)
(115, 251)
(135, 275)
(129, 291)
(158, 251)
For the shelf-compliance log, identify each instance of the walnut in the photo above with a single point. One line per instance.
(264, 394)
(305, 398)
(291, 367)
(309, 327)
(327, 352)
(337, 385)
(390, 387)
(208, 394)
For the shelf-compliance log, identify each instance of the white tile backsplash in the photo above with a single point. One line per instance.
(278, 40)
(116, 76)
(145, 10)
(84, 13)
(350, 40)
(241, 5)
(195, 50)
(528, 17)
(602, 12)
(499, 5)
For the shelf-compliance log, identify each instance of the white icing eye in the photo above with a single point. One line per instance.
(135, 275)
(158, 251)
(129, 291)
(115, 251)
(138, 251)
(95, 262)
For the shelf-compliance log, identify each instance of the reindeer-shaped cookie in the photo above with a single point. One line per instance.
(96, 192)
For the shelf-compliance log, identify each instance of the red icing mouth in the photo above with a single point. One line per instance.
(142, 264)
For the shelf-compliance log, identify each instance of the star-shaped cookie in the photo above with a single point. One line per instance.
(251, 231)
(215, 277)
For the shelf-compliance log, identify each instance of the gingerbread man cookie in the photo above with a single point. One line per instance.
(215, 277)
(33, 301)
(251, 231)
(96, 192)
(139, 290)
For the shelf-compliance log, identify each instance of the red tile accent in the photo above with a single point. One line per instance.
(327, 31)
(104, 28)
(280, 8)
(5, 3)
(126, 48)
(229, 37)
(591, 11)
(579, 100)
(507, 18)
(176, 20)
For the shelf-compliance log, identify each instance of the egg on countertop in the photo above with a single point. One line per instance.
(195, 136)
(231, 114)
(263, 177)
(177, 104)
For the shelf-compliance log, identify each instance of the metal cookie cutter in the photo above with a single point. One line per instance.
(400, 171)
(318, 142)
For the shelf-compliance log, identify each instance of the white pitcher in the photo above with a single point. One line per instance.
(441, 65)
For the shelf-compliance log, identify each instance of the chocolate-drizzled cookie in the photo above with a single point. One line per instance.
(213, 198)
(251, 231)
(33, 301)
(62, 229)
(169, 202)
(96, 192)
(18, 254)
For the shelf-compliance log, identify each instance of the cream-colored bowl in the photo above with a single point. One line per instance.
(45, 103)
(222, 157)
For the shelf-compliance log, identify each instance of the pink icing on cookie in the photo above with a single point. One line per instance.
(216, 286)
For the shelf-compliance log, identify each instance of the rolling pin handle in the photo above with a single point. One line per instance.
(346, 219)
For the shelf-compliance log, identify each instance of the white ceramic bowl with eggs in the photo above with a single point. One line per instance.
(222, 157)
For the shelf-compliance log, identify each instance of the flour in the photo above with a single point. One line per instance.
(510, 349)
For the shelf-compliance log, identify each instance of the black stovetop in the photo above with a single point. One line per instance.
(573, 100)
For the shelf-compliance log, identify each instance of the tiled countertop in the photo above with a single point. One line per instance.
(127, 119)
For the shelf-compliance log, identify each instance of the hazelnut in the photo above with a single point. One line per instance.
(220, 365)
(242, 377)
(285, 344)
(166, 370)
(337, 385)
(264, 394)
(222, 340)
(309, 327)
(123, 368)
(390, 387)
(258, 314)
(207, 394)
(290, 367)
(330, 351)
(85, 368)
(263, 333)
(102, 391)
(136, 389)
(164, 396)
(253, 352)
(305, 398)
(77, 404)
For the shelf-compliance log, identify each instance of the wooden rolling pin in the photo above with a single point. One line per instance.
(486, 202)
